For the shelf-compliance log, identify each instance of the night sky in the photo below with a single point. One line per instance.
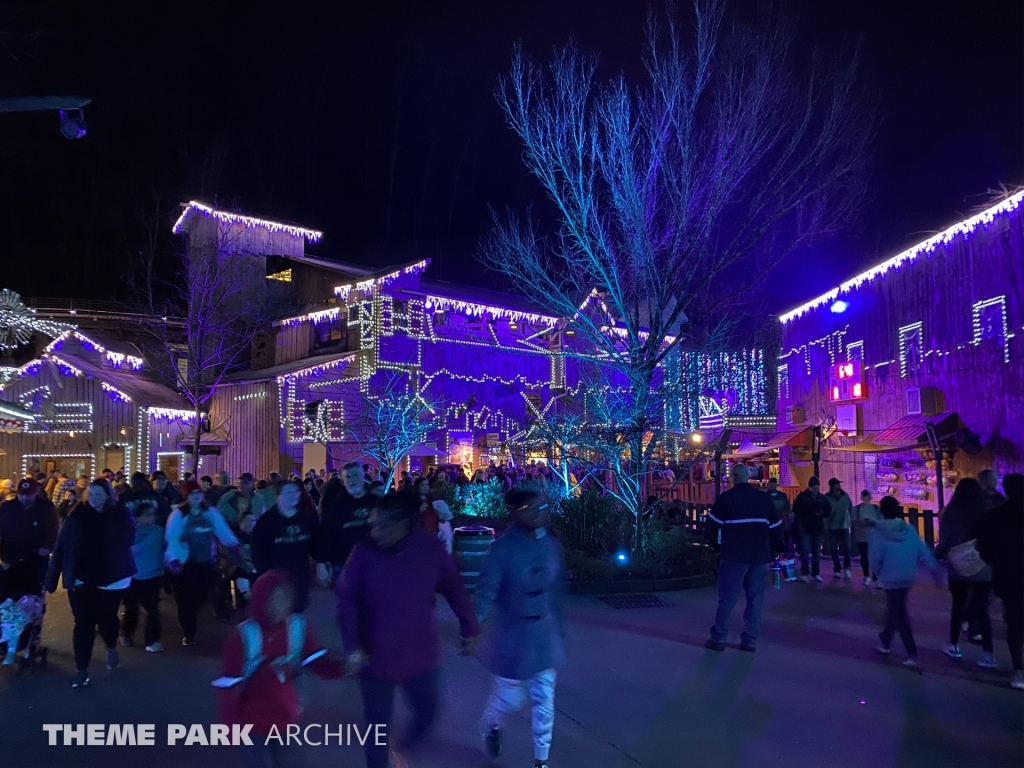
(376, 123)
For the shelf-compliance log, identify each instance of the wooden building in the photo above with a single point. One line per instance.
(932, 337)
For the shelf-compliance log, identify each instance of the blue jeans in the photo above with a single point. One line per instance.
(421, 694)
(810, 545)
(839, 541)
(733, 577)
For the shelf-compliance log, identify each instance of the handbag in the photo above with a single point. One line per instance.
(965, 560)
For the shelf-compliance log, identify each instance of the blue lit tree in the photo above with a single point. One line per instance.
(674, 199)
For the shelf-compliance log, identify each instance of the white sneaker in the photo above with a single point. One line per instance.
(876, 584)
(1017, 681)
(847, 574)
(867, 581)
(819, 580)
(953, 651)
(805, 579)
(837, 575)
(910, 663)
(883, 649)
(987, 661)
(156, 647)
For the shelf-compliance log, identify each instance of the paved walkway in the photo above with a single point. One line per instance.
(640, 690)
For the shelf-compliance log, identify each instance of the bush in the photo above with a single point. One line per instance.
(486, 500)
(589, 524)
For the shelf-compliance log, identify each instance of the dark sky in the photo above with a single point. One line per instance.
(375, 122)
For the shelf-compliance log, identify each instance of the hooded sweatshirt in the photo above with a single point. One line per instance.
(263, 699)
(958, 526)
(894, 551)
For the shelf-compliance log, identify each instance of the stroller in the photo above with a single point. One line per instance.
(21, 628)
(234, 577)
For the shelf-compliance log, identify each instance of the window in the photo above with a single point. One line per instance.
(855, 351)
(784, 382)
(989, 320)
(440, 318)
(911, 349)
(353, 314)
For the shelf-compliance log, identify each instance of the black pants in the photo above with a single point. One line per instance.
(421, 693)
(144, 592)
(839, 544)
(1013, 613)
(865, 564)
(191, 588)
(898, 620)
(93, 608)
(970, 599)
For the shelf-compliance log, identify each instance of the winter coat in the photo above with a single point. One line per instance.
(841, 506)
(23, 530)
(113, 529)
(386, 600)
(522, 579)
(265, 700)
(894, 552)
(148, 552)
(749, 524)
(812, 512)
(231, 502)
(182, 534)
(958, 526)
(1001, 544)
(289, 543)
(863, 517)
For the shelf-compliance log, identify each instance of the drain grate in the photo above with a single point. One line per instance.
(620, 602)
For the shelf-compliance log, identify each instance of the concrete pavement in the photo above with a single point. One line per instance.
(640, 690)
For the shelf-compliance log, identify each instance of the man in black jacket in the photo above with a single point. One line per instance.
(286, 536)
(812, 510)
(140, 493)
(344, 518)
(28, 531)
(750, 530)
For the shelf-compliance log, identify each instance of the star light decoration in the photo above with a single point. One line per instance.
(961, 228)
(18, 322)
(249, 222)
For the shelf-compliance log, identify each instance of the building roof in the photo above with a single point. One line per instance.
(960, 229)
(117, 352)
(481, 297)
(342, 267)
(194, 209)
(296, 368)
(913, 429)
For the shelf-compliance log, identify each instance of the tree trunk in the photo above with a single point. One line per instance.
(195, 443)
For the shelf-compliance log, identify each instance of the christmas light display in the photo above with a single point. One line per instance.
(250, 396)
(988, 319)
(115, 394)
(435, 303)
(911, 348)
(26, 456)
(344, 291)
(171, 414)
(116, 359)
(960, 229)
(249, 222)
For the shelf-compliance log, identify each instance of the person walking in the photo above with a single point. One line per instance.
(238, 502)
(140, 494)
(28, 533)
(286, 536)
(989, 482)
(522, 580)
(863, 518)
(750, 530)
(193, 531)
(435, 514)
(960, 524)
(93, 559)
(386, 597)
(1000, 543)
(839, 528)
(812, 509)
(144, 590)
(344, 517)
(895, 550)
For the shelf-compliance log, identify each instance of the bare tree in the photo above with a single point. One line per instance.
(393, 419)
(674, 199)
(206, 318)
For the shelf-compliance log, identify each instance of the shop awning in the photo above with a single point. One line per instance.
(746, 450)
(793, 438)
(912, 429)
(870, 446)
(426, 450)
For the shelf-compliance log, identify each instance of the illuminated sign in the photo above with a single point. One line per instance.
(846, 382)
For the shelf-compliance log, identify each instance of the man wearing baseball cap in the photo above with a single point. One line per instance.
(28, 531)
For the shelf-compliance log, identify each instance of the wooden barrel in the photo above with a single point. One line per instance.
(471, 545)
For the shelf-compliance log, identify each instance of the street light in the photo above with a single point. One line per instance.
(72, 119)
(697, 438)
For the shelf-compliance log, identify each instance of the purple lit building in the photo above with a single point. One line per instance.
(932, 336)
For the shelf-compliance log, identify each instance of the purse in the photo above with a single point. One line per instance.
(965, 560)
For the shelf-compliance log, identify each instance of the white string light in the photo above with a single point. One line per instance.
(115, 393)
(249, 222)
(26, 456)
(171, 414)
(978, 326)
(961, 228)
(117, 359)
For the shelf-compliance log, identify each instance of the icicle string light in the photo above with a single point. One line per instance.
(249, 222)
(117, 359)
(962, 228)
(343, 291)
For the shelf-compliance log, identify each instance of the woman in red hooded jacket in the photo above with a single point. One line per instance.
(267, 699)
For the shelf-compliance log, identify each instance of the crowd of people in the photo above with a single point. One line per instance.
(981, 543)
(116, 546)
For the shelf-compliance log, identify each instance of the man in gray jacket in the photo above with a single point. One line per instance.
(839, 527)
(522, 579)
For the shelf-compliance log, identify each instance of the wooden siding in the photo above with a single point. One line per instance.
(249, 415)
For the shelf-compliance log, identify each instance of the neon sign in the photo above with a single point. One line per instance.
(847, 382)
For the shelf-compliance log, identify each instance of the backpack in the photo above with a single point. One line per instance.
(965, 560)
(252, 646)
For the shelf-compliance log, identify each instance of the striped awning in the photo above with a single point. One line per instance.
(912, 429)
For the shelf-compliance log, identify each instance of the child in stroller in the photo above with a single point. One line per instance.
(235, 571)
(21, 628)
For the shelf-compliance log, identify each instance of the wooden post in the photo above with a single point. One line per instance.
(816, 448)
(936, 446)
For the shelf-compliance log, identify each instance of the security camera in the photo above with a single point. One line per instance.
(72, 123)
